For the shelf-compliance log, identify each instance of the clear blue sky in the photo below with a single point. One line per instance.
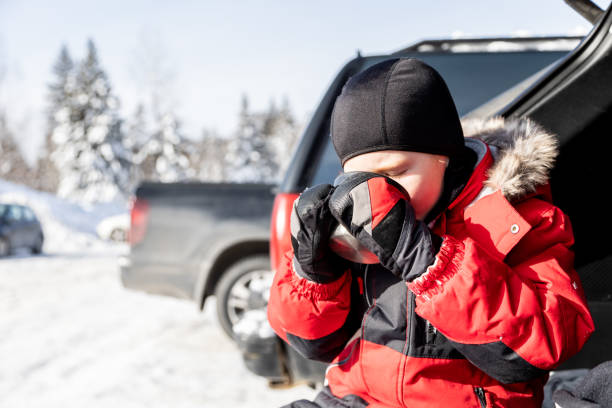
(219, 50)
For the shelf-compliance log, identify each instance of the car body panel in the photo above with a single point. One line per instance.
(20, 227)
(189, 227)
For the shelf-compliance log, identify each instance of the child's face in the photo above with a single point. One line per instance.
(421, 174)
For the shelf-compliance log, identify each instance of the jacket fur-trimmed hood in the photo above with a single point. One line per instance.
(524, 153)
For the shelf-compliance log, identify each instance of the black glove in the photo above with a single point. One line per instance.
(377, 211)
(311, 227)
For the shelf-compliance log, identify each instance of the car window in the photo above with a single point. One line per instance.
(14, 213)
(329, 166)
(2, 210)
(28, 214)
(472, 78)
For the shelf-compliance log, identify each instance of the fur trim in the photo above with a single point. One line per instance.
(526, 153)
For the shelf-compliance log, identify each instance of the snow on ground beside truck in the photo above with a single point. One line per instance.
(72, 336)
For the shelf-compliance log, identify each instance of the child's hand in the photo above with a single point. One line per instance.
(377, 211)
(311, 227)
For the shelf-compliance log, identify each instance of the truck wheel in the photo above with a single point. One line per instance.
(37, 248)
(244, 286)
(118, 235)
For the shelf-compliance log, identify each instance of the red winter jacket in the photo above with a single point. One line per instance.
(500, 306)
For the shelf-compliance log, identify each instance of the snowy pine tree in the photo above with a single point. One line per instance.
(212, 157)
(62, 88)
(282, 132)
(60, 92)
(166, 155)
(92, 160)
(251, 158)
(262, 145)
(160, 152)
(136, 134)
(13, 166)
(137, 130)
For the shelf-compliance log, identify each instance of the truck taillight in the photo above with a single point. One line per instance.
(138, 221)
(280, 228)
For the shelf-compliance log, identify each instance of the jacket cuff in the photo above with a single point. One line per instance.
(446, 264)
(313, 290)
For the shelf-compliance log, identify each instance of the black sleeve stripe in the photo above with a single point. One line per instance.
(500, 362)
(323, 349)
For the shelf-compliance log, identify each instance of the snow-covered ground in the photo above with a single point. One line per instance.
(72, 336)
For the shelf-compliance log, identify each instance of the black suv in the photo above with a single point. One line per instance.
(475, 70)
(564, 92)
(19, 228)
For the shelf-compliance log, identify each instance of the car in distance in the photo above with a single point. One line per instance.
(19, 229)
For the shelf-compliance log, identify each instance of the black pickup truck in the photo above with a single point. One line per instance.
(192, 240)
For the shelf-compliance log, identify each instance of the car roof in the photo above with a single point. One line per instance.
(494, 44)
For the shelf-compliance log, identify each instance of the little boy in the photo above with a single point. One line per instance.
(475, 297)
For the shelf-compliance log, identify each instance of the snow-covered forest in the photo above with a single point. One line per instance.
(94, 154)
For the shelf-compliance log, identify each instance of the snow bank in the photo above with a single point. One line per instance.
(72, 336)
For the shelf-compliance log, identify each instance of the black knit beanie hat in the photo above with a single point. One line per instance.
(397, 104)
(403, 104)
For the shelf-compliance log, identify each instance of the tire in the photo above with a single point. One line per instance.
(37, 248)
(5, 247)
(243, 286)
(118, 235)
